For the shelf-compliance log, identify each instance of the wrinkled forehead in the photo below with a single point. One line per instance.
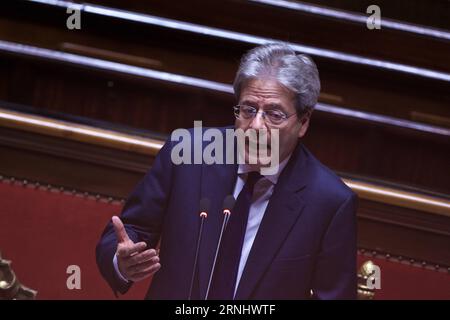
(265, 91)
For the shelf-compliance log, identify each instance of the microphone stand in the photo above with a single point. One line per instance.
(203, 216)
(228, 205)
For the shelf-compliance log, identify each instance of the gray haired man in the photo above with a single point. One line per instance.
(290, 235)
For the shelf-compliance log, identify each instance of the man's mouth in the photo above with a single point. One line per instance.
(255, 147)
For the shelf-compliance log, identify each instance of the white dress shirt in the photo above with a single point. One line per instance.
(261, 195)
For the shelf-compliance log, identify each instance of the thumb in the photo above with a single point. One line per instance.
(121, 233)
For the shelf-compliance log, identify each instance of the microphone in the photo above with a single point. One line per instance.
(204, 208)
(228, 204)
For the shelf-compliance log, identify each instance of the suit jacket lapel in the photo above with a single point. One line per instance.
(283, 210)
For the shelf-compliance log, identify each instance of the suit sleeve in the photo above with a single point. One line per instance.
(335, 274)
(142, 215)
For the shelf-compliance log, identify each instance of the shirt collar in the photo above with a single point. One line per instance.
(245, 168)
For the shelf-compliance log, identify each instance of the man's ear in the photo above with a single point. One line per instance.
(304, 121)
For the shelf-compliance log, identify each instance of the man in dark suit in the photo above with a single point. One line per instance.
(291, 234)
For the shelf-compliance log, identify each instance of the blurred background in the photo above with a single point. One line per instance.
(89, 91)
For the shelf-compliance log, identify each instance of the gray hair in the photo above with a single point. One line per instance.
(297, 72)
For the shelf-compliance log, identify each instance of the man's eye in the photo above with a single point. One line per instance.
(248, 110)
(275, 115)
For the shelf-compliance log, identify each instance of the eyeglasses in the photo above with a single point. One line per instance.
(273, 117)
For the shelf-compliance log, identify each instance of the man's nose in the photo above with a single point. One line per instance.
(258, 121)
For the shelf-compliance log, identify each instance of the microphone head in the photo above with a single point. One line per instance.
(228, 203)
(204, 207)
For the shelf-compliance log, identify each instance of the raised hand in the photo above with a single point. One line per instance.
(135, 263)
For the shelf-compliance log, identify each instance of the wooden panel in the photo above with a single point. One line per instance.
(290, 25)
(216, 59)
(70, 164)
(355, 147)
(428, 13)
(402, 232)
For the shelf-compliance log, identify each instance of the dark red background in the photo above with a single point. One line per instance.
(43, 231)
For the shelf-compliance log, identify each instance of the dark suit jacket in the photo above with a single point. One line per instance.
(306, 240)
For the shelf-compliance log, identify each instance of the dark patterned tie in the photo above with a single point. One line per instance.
(227, 265)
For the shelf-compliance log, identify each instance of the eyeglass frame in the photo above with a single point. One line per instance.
(237, 109)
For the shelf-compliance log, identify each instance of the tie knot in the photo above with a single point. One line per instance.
(252, 178)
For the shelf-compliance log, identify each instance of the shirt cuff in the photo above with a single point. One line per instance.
(116, 267)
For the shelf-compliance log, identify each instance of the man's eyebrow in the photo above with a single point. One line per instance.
(249, 103)
(274, 106)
